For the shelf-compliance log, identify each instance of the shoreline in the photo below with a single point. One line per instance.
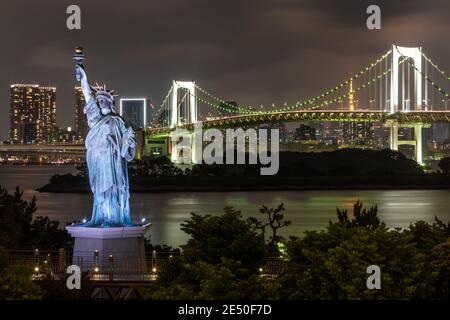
(173, 189)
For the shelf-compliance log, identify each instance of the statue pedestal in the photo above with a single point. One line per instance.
(118, 252)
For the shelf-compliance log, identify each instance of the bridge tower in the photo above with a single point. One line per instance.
(398, 53)
(174, 112)
(415, 54)
(188, 150)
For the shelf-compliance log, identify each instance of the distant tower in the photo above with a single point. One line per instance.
(350, 97)
(81, 126)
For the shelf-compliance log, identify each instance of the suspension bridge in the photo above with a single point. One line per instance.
(403, 88)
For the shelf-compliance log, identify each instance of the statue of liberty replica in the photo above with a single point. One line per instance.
(110, 145)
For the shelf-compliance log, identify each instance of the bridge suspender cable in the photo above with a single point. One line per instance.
(217, 107)
(445, 74)
(434, 84)
(325, 103)
(312, 100)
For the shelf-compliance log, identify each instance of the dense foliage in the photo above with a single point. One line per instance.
(350, 162)
(444, 164)
(225, 255)
(343, 168)
(328, 264)
(21, 231)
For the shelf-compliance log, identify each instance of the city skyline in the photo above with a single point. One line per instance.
(440, 132)
(266, 73)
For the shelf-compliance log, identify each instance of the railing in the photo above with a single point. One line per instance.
(112, 268)
(53, 264)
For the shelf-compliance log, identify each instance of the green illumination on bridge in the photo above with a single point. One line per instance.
(316, 116)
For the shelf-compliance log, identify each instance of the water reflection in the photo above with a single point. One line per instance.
(306, 209)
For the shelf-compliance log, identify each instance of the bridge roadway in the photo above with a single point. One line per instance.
(413, 117)
(27, 149)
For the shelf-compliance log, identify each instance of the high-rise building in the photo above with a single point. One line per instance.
(81, 126)
(358, 134)
(331, 133)
(305, 133)
(32, 114)
(381, 135)
(68, 136)
(134, 110)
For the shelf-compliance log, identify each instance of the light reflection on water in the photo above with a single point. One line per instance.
(307, 210)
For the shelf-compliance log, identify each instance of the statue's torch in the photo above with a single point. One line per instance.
(78, 57)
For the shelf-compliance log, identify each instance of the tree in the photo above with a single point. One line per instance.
(326, 264)
(259, 226)
(46, 234)
(56, 289)
(362, 217)
(16, 284)
(444, 164)
(439, 262)
(226, 236)
(3, 259)
(21, 232)
(276, 221)
(332, 264)
(201, 280)
(16, 215)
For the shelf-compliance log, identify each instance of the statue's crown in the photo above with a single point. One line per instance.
(101, 91)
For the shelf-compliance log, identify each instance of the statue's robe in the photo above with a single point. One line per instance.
(107, 155)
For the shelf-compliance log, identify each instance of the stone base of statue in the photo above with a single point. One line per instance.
(111, 253)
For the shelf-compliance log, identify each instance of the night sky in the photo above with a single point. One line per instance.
(254, 52)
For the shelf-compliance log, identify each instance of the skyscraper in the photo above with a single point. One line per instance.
(305, 133)
(358, 134)
(135, 111)
(81, 126)
(32, 114)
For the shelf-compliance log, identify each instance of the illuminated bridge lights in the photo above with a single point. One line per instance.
(318, 115)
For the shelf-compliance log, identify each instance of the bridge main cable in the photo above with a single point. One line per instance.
(305, 102)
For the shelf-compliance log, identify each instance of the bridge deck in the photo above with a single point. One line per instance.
(412, 117)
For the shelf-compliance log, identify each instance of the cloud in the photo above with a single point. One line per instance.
(253, 51)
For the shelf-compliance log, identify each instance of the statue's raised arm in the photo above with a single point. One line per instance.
(80, 73)
(85, 87)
